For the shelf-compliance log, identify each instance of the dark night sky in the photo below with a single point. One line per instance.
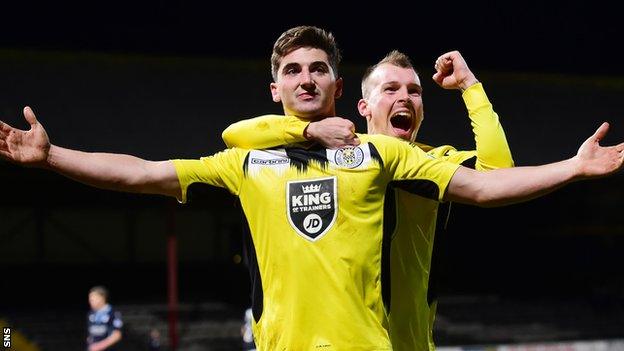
(571, 37)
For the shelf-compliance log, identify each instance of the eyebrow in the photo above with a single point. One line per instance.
(319, 63)
(394, 82)
(312, 64)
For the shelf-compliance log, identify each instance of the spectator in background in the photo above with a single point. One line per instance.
(153, 342)
(247, 332)
(103, 322)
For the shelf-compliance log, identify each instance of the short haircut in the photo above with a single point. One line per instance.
(395, 58)
(305, 37)
(100, 290)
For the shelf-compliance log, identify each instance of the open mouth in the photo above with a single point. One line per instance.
(401, 120)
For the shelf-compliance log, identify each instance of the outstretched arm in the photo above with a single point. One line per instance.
(511, 185)
(103, 170)
(452, 72)
(273, 130)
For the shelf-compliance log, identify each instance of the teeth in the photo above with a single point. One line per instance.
(402, 114)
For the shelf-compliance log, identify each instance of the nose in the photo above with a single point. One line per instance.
(306, 79)
(403, 95)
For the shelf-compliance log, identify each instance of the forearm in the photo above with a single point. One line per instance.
(265, 132)
(112, 339)
(491, 143)
(510, 185)
(109, 171)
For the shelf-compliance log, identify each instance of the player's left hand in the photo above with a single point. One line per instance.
(452, 72)
(597, 161)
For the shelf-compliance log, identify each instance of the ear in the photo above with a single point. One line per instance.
(275, 92)
(363, 108)
(339, 85)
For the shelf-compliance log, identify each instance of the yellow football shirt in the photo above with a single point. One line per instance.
(315, 217)
(411, 219)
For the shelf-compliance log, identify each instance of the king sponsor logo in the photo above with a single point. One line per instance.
(312, 206)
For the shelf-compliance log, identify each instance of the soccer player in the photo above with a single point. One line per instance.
(392, 105)
(103, 322)
(314, 214)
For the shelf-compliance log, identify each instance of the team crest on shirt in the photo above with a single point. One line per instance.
(349, 157)
(312, 206)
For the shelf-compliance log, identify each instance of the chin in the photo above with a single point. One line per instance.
(402, 135)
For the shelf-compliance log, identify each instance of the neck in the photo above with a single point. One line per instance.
(311, 116)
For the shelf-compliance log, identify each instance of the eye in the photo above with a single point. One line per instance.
(414, 90)
(390, 89)
(321, 70)
(291, 69)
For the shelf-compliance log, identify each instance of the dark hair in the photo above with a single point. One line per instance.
(395, 58)
(305, 36)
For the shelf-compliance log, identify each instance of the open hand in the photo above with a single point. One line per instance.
(596, 160)
(26, 147)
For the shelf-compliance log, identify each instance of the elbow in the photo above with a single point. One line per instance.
(487, 193)
(227, 136)
(480, 199)
(483, 195)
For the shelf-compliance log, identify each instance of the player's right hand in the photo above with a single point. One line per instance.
(25, 147)
(333, 132)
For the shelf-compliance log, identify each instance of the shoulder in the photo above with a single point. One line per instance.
(450, 154)
(379, 138)
(381, 141)
(442, 150)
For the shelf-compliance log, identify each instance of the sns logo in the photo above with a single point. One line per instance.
(312, 206)
(6, 340)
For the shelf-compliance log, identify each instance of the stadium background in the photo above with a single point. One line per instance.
(162, 79)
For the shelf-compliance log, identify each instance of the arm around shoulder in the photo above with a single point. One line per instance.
(265, 132)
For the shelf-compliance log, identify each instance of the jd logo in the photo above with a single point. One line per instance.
(312, 206)
(312, 223)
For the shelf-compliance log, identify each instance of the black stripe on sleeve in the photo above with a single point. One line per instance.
(470, 163)
(422, 187)
(246, 164)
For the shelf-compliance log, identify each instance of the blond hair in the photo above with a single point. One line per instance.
(395, 58)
